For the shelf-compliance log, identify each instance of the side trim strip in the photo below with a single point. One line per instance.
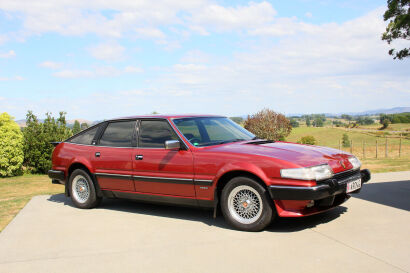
(174, 180)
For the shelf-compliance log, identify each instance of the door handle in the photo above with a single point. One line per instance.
(97, 154)
(139, 157)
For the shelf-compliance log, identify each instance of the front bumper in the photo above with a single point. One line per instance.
(57, 177)
(327, 188)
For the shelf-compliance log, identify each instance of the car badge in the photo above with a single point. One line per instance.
(343, 164)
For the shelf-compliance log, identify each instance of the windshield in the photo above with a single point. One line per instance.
(206, 131)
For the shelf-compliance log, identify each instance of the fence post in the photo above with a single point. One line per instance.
(364, 152)
(351, 146)
(376, 148)
(400, 147)
(386, 148)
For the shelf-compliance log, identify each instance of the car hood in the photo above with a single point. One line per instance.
(298, 154)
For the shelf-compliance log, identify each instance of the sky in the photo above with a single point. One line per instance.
(103, 59)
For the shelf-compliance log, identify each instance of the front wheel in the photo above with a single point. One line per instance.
(82, 190)
(245, 205)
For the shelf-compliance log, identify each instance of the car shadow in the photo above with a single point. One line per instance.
(205, 216)
(394, 194)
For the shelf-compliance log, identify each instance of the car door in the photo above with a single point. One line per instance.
(158, 170)
(112, 156)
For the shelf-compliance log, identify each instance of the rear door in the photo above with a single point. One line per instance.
(112, 156)
(158, 170)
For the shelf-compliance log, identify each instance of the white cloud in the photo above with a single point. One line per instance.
(15, 78)
(150, 32)
(107, 51)
(72, 74)
(133, 69)
(8, 54)
(51, 65)
(308, 15)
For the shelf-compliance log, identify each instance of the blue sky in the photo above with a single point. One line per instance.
(102, 59)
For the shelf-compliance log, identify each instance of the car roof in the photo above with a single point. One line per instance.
(163, 116)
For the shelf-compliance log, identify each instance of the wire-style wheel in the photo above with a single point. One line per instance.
(80, 189)
(245, 204)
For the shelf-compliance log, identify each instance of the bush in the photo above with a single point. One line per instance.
(294, 123)
(268, 124)
(345, 141)
(307, 140)
(11, 147)
(37, 140)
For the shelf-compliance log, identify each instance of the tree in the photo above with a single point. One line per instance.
(318, 122)
(11, 147)
(398, 12)
(307, 140)
(37, 140)
(294, 123)
(345, 141)
(84, 126)
(267, 124)
(308, 121)
(76, 127)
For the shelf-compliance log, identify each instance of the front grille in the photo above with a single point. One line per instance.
(341, 176)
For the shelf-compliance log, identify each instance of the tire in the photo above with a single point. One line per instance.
(245, 204)
(82, 190)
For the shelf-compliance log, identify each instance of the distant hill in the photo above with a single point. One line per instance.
(395, 110)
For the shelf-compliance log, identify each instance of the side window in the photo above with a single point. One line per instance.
(85, 137)
(154, 133)
(189, 128)
(118, 134)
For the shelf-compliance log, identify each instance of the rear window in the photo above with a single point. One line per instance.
(118, 134)
(85, 137)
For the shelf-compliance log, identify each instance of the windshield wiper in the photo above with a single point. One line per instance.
(221, 142)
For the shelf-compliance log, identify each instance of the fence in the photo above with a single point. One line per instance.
(380, 148)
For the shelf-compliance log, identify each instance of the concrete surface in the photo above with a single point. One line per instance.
(369, 233)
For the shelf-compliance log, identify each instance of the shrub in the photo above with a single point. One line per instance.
(37, 140)
(11, 147)
(294, 123)
(345, 141)
(307, 140)
(268, 124)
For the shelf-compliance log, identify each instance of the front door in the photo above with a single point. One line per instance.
(112, 156)
(158, 170)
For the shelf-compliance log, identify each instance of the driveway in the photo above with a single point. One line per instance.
(369, 233)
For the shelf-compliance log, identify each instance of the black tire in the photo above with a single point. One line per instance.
(80, 199)
(241, 188)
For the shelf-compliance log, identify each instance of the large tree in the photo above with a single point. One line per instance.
(11, 147)
(268, 124)
(398, 14)
(76, 127)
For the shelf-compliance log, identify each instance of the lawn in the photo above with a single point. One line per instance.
(15, 192)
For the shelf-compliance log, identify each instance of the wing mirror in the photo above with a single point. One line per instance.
(172, 145)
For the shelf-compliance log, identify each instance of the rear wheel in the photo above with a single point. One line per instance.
(82, 190)
(245, 204)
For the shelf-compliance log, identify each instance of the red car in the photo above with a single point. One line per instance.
(204, 161)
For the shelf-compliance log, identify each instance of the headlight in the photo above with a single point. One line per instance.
(355, 162)
(311, 173)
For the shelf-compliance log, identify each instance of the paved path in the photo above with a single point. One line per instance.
(369, 233)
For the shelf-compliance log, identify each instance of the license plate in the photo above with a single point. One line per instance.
(353, 185)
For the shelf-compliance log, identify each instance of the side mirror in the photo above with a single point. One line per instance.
(172, 145)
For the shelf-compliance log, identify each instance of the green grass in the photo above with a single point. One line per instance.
(15, 192)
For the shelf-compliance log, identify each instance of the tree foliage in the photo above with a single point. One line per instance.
(267, 124)
(294, 123)
(11, 147)
(84, 126)
(37, 140)
(76, 127)
(398, 14)
(307, 140)
(345, 141)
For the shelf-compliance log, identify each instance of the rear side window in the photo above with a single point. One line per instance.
(85, 137)
(154, 133)
(118, 134)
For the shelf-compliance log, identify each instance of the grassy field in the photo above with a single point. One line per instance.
(330, 137)
(15, 192)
